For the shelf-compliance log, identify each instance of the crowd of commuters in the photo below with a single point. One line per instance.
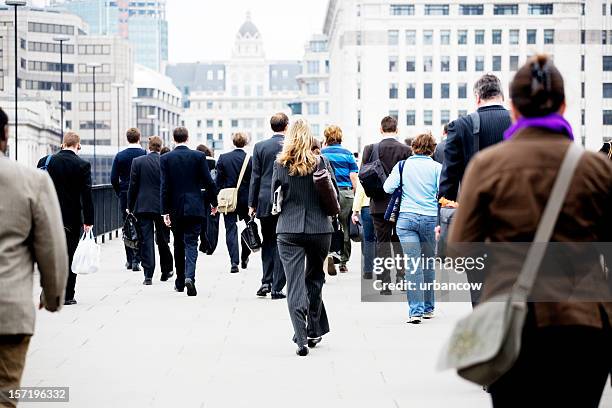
(499, 191)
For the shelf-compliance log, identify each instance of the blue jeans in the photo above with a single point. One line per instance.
(368, 243)
(417, 236)
(186, 231)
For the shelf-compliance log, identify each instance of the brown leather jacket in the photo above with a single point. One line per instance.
(503, 195)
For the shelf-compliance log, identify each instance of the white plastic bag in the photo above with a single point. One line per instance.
(87, 256)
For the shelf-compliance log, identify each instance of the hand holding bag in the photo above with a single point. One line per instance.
(486, 344)
(328, 196)
(86, 258)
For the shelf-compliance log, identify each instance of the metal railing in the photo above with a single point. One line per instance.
(108, 217)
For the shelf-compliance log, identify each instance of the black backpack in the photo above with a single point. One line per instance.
(373, 176)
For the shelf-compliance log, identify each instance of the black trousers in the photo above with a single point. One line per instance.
(162, 239)
(132, 256)
(273, 273)
(151, 225)
(73, 236)
(302, 256)
(559, 366)
(386, 243)
(231, 239)
(186, 231)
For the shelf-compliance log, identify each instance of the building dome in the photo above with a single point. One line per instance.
(248, 29)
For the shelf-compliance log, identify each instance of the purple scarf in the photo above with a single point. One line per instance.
(553, 122)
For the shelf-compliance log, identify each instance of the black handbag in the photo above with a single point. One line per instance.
(355, 231)
(210, 236)
(328, 196)
(250, 235)
(131, 237)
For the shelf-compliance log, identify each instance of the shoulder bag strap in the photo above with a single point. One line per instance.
(529, 271)
(475, 116)
(243, 170)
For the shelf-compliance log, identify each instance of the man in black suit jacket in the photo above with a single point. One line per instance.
(144, 201)
(439, 152)
(184, 173)
(264, 156)
(229, 167)
(120, 179)
(390, 152)
(71, 176)
(459, 149)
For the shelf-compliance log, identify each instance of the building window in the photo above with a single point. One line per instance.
(514, 62)
(607, 90)
(393, 91)
(582, 90)
(410, 118)
(462, 63)
(410, 64)
(393, 37)
(531, 36)
(50, 28)
(445, 64)
(582, 36)
(427, 117)
(427, 90)
(607, 117)
(582, 117)
(436, 9)
(358, 118)
(471, 9)
(479, 64)
(505, 9)
(462, 91)
(410, 91)
(540, 9)
(312, 88)
(393, 63)
(514, 37)
(427, 64)
(603, 9)
(234, 123)
(312, 67)
(549, 36)
(210, 123)
(358, 91)
(445, 37)
(427, 37)
(607, 63)
(312, 108)
(394, 114)
(445, 91)
(497, 63)
(410, 37)
(582, 63)
(479, 36)
(444, 116)
(462, 37)
(496, 37)
(401, 9)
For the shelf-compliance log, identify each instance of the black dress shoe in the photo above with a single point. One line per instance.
(128, 266)
(70, 302)
(312, 343)
(191, 289)
(179, 288)
(264, 290)
(244, 263)
(147, 282)
(135, 267)
(302, 351)
(166, 276)
(278, 295)
(367, 275)
(234, 269)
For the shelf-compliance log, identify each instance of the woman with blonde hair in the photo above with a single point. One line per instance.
(304, 235)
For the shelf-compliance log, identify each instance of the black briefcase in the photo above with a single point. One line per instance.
(355, 231)
(131, 237)
(250, 235)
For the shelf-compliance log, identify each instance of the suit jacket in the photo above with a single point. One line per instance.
(122, 167)
(301, 210)
(31, 232)
(184, 173)
(459, 149)
(264, 156)
(390, 152)
(144, 194)
(71, 176)
(439, 152)
(228, 171)
(503, 195)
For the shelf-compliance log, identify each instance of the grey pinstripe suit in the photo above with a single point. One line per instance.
(304, 236)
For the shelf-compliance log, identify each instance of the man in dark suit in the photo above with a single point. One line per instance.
(264, 156)
(439, 152)
(120, 179)
(390, 152)
(144, 201)
(184, 173)
(71, 176)
(459, 149)
(229, 167)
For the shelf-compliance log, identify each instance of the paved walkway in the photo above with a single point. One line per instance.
(126, 345)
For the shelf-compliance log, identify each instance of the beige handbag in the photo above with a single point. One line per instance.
(486, 344)
(228, 197)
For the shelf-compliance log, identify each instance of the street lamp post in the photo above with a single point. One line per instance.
(94, 66)
(61, 41)
(117, 87)
(16, 4)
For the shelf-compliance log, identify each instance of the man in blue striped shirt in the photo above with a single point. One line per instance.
(346, 172)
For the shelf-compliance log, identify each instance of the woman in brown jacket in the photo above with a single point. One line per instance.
(566, 351)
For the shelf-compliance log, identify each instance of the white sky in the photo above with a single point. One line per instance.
(205, 29)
